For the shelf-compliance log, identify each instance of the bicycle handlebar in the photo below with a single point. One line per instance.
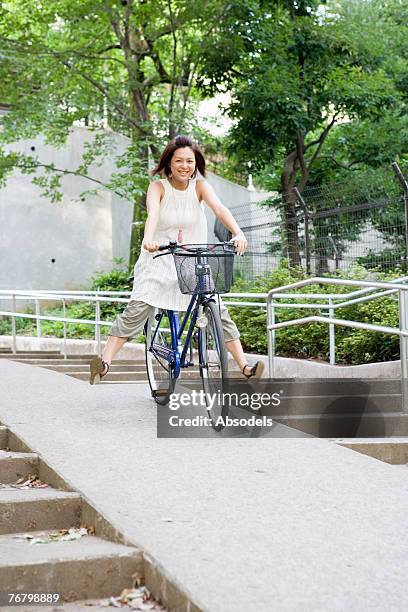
(173, 245)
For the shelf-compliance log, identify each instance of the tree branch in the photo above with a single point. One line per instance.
(300, 149)
(340, 165)
(173, 72)
(104, 92)
(36, 164)
(321, 140)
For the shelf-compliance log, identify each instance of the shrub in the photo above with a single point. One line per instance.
(353, 346)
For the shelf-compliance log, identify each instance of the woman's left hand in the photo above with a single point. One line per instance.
(240, 243)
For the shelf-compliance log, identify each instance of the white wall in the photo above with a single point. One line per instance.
(81, 237)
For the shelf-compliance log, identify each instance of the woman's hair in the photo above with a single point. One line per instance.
(163, 167)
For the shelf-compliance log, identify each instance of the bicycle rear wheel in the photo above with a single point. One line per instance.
(159, 358)
(213, 365)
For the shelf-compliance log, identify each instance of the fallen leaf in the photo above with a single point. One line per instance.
(137, 579)
(113, 602)
(135, 604)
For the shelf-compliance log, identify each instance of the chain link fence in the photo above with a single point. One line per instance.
(328, 228)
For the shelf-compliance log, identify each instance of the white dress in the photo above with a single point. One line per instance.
(155, 280)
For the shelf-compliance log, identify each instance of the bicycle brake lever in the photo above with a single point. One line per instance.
(161, 254)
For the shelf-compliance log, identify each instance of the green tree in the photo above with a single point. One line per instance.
(301, 69)
(130, 62)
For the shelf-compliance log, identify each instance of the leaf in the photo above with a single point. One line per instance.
(136, 604)
(113, 601)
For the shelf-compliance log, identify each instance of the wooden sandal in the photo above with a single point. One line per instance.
(97, 369)
(256, 370)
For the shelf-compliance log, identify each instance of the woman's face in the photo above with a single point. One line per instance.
(182, 164)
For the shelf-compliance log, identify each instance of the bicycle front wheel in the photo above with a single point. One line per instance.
(213, 364)
(159, 358)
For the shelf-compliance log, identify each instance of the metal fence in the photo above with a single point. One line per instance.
(330, 228)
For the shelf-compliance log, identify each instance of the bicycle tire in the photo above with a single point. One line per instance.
(213, 373)
(160, 372)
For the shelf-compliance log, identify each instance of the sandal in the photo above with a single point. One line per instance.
(97, 370)
(256, 370)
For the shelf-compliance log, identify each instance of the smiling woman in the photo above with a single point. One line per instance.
(175, 212)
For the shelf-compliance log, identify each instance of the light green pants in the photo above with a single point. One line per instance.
(132, 320)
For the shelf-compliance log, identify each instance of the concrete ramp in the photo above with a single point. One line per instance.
(241, 525)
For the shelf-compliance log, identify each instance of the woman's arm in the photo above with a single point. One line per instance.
(206, 192)
(153, 198)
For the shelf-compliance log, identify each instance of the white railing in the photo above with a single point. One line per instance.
(369, 287)
(97, 297)
(328, 304)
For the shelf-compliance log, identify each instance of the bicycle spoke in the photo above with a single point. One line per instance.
(159, 369)
(213, 365)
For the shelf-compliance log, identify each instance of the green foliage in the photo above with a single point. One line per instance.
(115, 280)
(311, 341)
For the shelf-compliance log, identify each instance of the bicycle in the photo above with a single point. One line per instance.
(202, 271)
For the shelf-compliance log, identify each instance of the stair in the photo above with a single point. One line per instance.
(35, 509)
(77, 366)
(16, 465)
(77, 569)
(122, 371)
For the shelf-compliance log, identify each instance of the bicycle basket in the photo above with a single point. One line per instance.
(206, 270)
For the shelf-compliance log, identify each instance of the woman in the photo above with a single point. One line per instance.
(175, 211)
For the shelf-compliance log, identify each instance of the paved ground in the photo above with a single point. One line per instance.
(247, 525)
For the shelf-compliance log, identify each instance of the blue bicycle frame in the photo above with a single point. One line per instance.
(177, 354)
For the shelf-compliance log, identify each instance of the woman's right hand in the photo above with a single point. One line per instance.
(151, 245)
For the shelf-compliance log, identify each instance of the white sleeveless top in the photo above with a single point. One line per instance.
(155, 280)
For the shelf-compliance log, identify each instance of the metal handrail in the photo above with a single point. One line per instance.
(330, 307)
(366, 293)
(390, 287)
(97, 297)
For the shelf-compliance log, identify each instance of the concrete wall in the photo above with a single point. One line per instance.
(233, 196)
(60, 246)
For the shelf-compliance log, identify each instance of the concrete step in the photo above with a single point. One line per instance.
(89, 605)
(4, 435)
(124, 382)
(368, 426)
(33, 355)
(125, 376)
(394, 450)
(114, 376)
(77, 369)
(8, 350)
(80, 569)
(77, 362)
(34, 509)
(16, 465)
(337, 387)
(304, 405)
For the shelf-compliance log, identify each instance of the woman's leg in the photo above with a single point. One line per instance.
(112, 346)
(237, 352)
(126, 325)
(234, 346)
